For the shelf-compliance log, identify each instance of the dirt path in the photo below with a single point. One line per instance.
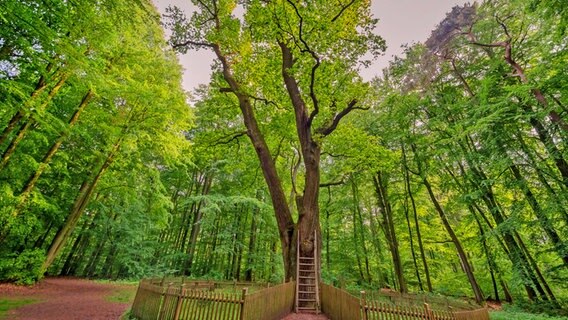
(305, 316)
(65, 299)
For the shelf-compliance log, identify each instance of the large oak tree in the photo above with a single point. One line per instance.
(298, 57)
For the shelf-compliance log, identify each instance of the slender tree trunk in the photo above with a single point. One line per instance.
(81, 202)
(358, 219)
(545, 223)
(519, 262)
(19, 115)
(461, 253)
(388, 223)
(196, 227)
(417, 271)
(29, 121)
(251, 254)
(533, 263)
(416, 224)
(560, 199)
(488, 255)
(357, 252)
(32, 180)
(373, 225)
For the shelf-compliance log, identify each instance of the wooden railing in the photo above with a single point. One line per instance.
(339, 304)
(160, 299)
(479, 314)
(272, 303)
(156, 300)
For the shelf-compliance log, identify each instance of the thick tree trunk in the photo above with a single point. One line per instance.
(286, 227)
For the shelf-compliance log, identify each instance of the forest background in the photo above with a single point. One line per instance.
(454, 174)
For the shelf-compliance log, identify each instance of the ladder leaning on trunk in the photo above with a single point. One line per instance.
(307, 286)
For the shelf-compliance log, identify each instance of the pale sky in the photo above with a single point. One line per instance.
(400, 22)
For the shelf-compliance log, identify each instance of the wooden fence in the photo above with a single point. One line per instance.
(198, 301)
(418, 300)
(201, 300)
(338, 304)
(272, 303)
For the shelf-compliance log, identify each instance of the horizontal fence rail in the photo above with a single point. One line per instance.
(177, 300)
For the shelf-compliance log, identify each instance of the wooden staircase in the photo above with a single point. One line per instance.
(307, 286)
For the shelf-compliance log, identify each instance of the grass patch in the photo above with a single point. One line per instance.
(518, 315)
(122, 295)
(118, 282)
(9, 304)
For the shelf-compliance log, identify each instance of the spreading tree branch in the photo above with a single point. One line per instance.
(229, 138)
(316, 65)
(352, 105)
(343, 8)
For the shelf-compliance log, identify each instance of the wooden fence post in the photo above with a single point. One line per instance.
(163, 301)
(179, 301)
(429, 314)
(243, 303)
(364, 304)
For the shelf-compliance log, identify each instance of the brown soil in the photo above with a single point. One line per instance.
(64, 299)
(305, 316)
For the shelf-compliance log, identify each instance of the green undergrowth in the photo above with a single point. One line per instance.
(523, 310)
(9, 304)
(519, 315)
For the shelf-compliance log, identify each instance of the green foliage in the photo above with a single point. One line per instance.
(180, 195)
(527, 312)
(22, 268)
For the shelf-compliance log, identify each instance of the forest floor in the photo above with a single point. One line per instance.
(67, 299)
(305, 316)
(71, 298)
